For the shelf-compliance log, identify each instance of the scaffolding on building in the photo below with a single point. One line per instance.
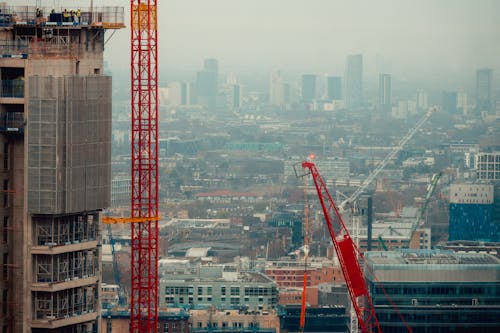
(58, 35)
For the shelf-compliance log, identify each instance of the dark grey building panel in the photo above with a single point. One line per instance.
(69, 144)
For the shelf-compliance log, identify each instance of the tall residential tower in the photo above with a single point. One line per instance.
(55, 133)
(484, 90)
(354, 82)
(384, 93)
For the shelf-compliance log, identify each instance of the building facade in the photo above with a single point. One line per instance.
(168, 321)
(488, 166)
(253, 290)
(55, 106)
(245, 321)
(471, 213)
(290, 273)
(435, 291)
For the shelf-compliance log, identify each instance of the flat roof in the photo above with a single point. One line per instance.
(424, 266)
(430, 257)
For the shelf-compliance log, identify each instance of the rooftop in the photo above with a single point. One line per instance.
(425, 266)
(430, 257)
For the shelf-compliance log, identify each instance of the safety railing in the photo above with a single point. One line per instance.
(107, 17)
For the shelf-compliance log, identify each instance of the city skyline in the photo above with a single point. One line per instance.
(415, 38)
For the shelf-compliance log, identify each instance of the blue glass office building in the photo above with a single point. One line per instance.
(471, 213)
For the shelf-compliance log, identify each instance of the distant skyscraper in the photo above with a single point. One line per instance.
(462, 102)
(207, 84)
(471, 213)
(484, 90)
(384, 93)
(206, 89)
(276, 89)
(308, 88)
(233, 96)
(354, 81)
(211, 64)
(449, 101)
(334, 87)
(422, 100)
(178, 93)
(193, 93)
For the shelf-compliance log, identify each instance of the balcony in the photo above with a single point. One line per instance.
(12, 123)
(12, 88)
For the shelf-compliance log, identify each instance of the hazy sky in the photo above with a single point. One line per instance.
(448, 36)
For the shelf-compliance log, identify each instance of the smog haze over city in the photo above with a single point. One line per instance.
(414, 37)
(295, 166)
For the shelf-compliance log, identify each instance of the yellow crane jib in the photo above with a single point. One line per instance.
(112, 220)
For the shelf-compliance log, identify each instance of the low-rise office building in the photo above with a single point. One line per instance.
(435, 291)
(211, 286)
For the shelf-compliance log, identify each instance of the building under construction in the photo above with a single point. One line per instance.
(55, 124)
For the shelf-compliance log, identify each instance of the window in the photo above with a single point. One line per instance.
(5, 230)
(4, 301)
(6, 155)
(5, 262)
(165, 328)
(5, 192)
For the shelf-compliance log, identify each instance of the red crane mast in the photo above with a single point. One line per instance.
(144, 200)
(347, 253)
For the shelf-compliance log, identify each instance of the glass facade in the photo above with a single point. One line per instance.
(473, 222)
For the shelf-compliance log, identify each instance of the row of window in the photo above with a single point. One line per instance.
(224, 324)
(190, 300)
(440, 290)
(208, 290)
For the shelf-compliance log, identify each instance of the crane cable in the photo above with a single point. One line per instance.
(302, 323)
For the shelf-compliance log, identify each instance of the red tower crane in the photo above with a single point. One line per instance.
(144, 200)
(347, 253)
(144, 190)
